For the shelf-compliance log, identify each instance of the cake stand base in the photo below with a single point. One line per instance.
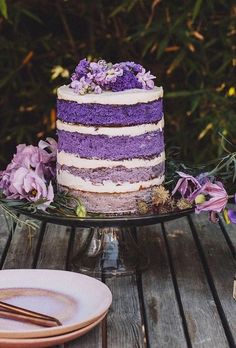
(110, 251)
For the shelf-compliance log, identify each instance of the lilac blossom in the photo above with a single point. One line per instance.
(187, 186)
(81, 69)
(136, 68)
(146, 79)
(216, 197)
(95, 77)
(126, 81)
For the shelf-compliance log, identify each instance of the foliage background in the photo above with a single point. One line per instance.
(188, 45)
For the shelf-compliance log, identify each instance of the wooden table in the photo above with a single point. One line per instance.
(183, 300)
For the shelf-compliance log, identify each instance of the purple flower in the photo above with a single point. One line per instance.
(127, 81)
(49, 144)
(97, 90)
(28, 157)
(232, 213)
(95, 77)
(187, 186)
(216, 197)
(27, 184)
(136, 68)
(81, 69)
(146, 79)
(81, 86)
(98, 67)
(203, 178)
(30, 172)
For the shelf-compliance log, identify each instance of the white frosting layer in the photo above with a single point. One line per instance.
(111, 131)
(77, 162)
(127, 97)
(75, 182)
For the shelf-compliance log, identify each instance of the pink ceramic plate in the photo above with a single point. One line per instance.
(74, 299)
(47, 341)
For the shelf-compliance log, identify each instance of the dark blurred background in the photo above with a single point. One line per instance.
(188, 45)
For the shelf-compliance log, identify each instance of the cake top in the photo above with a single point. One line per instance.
(127, 97)
(97, 77)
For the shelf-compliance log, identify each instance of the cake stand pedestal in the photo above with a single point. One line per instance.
(111, 247)
(110, 251)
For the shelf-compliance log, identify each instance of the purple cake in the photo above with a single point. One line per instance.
(110, 136)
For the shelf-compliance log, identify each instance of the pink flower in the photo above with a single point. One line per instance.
(49, 144)
(27, 184)
(28, 157)
(187, 186)
(30, 172)
(218, 197)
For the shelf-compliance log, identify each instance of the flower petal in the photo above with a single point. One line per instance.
(232, 216)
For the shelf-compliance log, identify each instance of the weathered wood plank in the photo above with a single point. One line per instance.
(4, 236)
(221, 266)
(124, 324)
(164, 323)
(23, 246)
(202, 318)
(54, 247)
(93, 339)
(230, 231)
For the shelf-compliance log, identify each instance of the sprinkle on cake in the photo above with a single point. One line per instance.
(110, 136)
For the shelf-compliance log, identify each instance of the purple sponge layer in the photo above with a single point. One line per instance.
(109, 115)
(116, 174)
(111, 203)
(113, 148)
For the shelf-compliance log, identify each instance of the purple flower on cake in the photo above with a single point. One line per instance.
(81, 69)
(187, 186)
(136, 68)
(146, 79)
(95, 77)
(127, 81)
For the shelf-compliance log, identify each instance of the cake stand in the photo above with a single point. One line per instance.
(111, 247)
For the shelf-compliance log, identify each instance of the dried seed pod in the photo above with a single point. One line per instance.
(160, 195)
(143, 207)
(183, 203)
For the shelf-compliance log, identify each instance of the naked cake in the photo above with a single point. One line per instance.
(110, 136)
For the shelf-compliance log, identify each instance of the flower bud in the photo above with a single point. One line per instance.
(226, 216)
(80, 211)
(200, 199)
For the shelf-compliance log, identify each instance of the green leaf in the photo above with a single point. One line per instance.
(163, 44)
(117, 10)
(31, 15)
(176, 61)
(196, 9)
(3, 8)
(179, 94)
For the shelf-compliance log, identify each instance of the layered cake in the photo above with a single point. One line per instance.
(110, 136)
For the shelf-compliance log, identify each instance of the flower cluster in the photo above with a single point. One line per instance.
(30, 173)
(95, 77)
(206, 193)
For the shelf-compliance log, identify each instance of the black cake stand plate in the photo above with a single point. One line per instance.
(110, 247)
